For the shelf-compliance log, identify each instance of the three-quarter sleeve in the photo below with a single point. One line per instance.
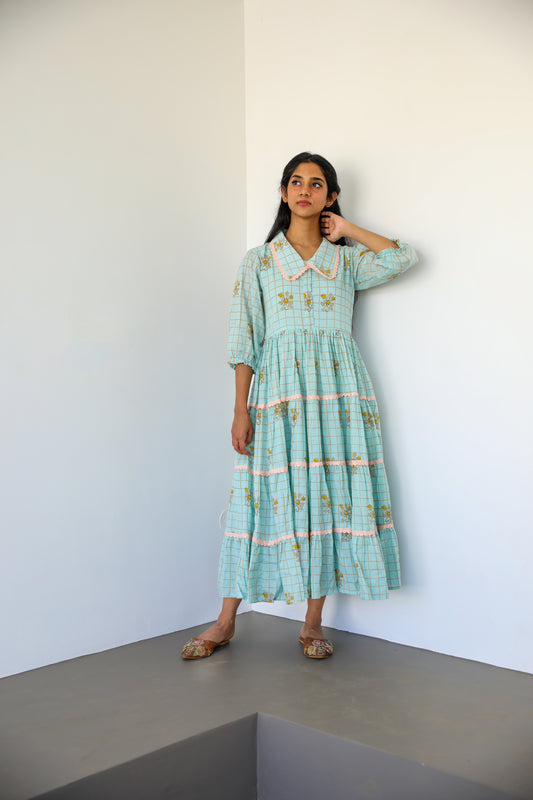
(372, 269)
(246, 327)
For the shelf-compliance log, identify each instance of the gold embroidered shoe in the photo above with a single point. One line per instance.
(200, 648)
(316, 648)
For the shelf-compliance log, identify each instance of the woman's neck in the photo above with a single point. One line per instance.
(304, 232)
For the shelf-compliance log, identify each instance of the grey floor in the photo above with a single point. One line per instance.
(74, 719)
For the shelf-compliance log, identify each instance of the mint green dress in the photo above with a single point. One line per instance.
(309, 510)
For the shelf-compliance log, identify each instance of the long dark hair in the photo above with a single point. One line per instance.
(283, 217)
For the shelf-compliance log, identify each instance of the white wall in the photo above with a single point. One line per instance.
(425, 109)
(122, 210)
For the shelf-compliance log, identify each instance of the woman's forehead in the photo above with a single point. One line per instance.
(308, 170)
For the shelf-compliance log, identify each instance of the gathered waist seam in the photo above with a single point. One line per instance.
(313, 331)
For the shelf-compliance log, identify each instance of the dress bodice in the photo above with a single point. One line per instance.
(277, 290)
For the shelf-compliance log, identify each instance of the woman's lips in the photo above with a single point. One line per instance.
(303, 203)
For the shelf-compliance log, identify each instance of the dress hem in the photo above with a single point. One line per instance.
(299, 599)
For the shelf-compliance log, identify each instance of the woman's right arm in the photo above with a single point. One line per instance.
(245, 339)
(242, 429)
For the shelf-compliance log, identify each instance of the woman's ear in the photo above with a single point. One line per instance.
(284, 194)
(331, 199)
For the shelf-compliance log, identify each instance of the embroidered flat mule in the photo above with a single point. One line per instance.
(316, 648)
(200, 648)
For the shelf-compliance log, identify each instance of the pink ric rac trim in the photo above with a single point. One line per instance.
(355, 462)
(312, 397)
(306, 266)
(305, 535)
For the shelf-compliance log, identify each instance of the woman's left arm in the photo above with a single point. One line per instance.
(383, 258)
(334, 226)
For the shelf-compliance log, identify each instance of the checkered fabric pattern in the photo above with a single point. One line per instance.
(309, 509)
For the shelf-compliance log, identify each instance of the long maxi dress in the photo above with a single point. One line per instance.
(309, 509)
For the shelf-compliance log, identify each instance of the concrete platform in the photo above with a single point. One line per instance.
(72, 721)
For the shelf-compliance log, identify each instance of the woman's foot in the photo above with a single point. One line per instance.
(218, 632)
(312, 629)
(205, 643)
(315, 643)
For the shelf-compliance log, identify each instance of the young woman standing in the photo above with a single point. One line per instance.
(309, 512)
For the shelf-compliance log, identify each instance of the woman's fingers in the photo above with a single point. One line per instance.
(325, 224)
(329, 227)
(240, 448)
(239, 442)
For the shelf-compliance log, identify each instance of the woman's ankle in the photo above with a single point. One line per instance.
(226, 622)
(313, 622)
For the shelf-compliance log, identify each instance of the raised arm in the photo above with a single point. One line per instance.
(376, 258)
(334, 227)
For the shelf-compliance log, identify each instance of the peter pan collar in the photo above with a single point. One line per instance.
(291, 265)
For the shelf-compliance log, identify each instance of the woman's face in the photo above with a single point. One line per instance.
(307, 191)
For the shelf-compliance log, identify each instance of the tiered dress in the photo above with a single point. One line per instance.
(309, 510)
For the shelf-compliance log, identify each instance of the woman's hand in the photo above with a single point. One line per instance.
(332, 226)
(242, 432)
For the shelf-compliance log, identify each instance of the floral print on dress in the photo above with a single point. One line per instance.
(285, 300)
(327, 301)
(345, 417)
(355, 467)
(265, 262)
(282, 409)
(346, 512)
(325, 503)
(299, 502)
(293, 416)
(324, 463)
(308, 301)
(370, 420)
(236, 288)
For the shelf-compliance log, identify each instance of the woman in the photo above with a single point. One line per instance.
(309, 512)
